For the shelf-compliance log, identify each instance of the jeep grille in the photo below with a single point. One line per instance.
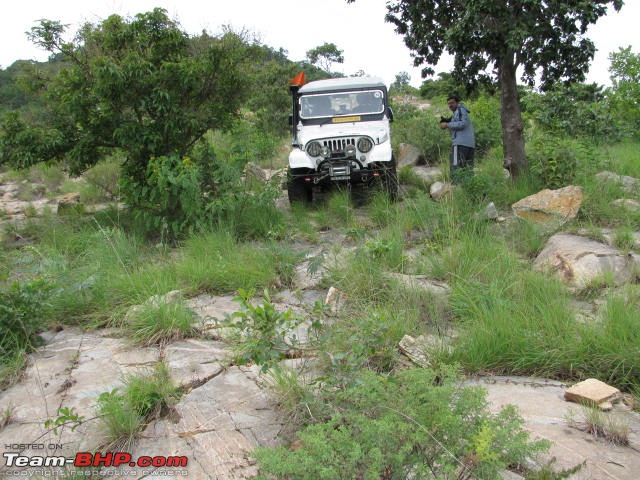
(338, 145)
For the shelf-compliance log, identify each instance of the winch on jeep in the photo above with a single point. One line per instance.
(340, 130)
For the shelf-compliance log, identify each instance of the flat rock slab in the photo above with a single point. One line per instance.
(541, 403)
(591, 392)
(72, 370)
(216, 426)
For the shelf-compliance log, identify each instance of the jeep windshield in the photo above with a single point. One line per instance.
(324, 105)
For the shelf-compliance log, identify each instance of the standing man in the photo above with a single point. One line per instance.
(463, 142)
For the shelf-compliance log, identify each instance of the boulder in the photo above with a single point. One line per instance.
(550, 205)
(439, 190)
(409, 155)
(428, 175)
(579, 261)
(69, 202)
(627, 183)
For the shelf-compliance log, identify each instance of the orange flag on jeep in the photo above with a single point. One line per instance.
(299, 80)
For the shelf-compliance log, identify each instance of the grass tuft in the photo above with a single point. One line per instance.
(161, 322)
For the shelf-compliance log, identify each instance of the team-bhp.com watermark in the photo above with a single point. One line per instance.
(86, 464)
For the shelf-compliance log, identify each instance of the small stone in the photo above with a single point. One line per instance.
(333, 299)
(591, 392)
(491, 212)
(439, 189)
(427, 175)
(605, 406)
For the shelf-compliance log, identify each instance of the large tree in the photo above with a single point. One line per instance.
(140, 86)
(325, 55)
(496, 38)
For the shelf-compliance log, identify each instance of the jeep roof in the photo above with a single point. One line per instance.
(348, 83)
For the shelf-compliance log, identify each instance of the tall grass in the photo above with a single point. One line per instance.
(215, 262)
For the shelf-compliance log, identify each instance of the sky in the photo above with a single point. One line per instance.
(368, 42)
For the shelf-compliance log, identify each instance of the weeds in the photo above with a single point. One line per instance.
(263, 334)
(6, 416)
(125, 411)
(612, 427)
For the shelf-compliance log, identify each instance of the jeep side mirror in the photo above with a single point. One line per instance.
(390, 114)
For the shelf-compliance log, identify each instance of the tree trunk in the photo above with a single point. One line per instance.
(511, 118)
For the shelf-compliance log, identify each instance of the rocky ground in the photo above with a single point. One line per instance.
(229, 410)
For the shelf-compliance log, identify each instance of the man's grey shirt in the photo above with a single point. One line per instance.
(461, 128)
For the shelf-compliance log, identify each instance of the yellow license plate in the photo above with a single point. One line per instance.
(346, 119)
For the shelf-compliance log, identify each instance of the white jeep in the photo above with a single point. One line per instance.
(341, 134)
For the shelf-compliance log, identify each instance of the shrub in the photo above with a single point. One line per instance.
(485, 116)
(421, 130)
(415, 424)
(262, 333)
(555, 160)
(170, 202)
(105, 177)
(22, 315)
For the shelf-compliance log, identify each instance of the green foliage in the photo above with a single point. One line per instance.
(105, 177)
(543, 40)
(262, 333)
(441, 87)
(66, 416)
(420, 128)
(134, 86)
(625, 75)
(476, 187)
(576, 110)
(542, 36)
(365, 340)
(324, 55)
(340, 208)
(418, 422)
(555, 160)
(485, 115)
(170, 201)
(22, 315)
(606, 349)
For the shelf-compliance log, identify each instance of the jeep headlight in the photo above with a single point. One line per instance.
(314, 149)
(364, 144)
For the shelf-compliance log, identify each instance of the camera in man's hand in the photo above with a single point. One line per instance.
(445, 119)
